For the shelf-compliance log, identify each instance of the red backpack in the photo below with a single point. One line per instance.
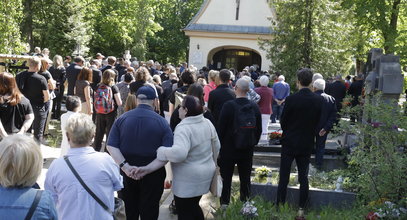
(104, 103)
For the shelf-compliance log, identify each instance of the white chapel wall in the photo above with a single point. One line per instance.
(223, 12)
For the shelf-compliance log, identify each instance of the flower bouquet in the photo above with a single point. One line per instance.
(275, 137)
(249, 210)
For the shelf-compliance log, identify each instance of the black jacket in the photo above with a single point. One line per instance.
(299, 122)
(337, 90)
(328, 112)
(72, 73)
(217, 98)
(355, 90)
(226, 132)
(59, 75)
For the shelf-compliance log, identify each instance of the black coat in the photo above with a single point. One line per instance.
(355, 90)
(72, 73)
(337, 90)
(328, 112)
(299, 122)
(217, 98)
(226, 131)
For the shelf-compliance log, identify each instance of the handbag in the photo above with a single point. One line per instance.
(118, 213)
(216, 183)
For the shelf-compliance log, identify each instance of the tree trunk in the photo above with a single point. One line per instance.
(308, 33)
(391, 34)
(28, 23)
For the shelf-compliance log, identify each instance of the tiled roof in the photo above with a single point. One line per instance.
(229, 28)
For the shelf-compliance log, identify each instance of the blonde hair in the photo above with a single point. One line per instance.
(131, 103)
(213, 75)
(57, 61)
(108, 77)
(20, 161)
(34, 62)
(80, 129)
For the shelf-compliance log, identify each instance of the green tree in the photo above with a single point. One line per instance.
(10, 18)
(310, 33)
(379, 15)
(170, 45)
(59, 25)
(384, 25)
(122, 25)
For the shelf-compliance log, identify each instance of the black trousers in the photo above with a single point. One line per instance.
(56, 106)
(320, 149)
(142, 197)
(227, 167)
(188, 208)
(104, 123)
(40, 117)
(285, 167)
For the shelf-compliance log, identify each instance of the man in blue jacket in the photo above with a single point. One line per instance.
(328, 115)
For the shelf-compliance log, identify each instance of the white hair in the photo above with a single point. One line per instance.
(247, 78)
(281, 78)
(264, 80)
(319, 84)
(316, 76)
(80, 129)
(243, 84)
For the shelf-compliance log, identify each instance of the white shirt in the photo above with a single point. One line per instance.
(98, 171)
(64, 144)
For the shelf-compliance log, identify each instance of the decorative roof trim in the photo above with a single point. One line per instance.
(229, 28)
(202, 9)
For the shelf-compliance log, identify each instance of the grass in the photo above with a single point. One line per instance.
(55, 134)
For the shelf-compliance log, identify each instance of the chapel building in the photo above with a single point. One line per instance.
(225, 34)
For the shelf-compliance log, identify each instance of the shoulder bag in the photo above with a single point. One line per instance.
(216, 183)
(119, 210)
(34, 205)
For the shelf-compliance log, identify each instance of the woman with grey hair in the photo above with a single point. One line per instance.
(97, 170)
(265, 104)
(20, 165)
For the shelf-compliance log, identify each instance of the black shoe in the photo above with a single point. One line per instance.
(173, 208)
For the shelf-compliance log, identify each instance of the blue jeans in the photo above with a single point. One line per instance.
(277, 110)
(320, 149)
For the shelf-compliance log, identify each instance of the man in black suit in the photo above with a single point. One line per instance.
(220, 95)
(299, 122)
(72, 73)
(355, 90)
(337, 90)
(326, 121)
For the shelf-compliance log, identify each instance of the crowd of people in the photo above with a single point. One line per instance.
(152, 115)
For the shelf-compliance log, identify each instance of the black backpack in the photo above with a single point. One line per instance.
(245, 126)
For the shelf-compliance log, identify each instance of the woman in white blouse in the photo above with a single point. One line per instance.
(191, 159)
